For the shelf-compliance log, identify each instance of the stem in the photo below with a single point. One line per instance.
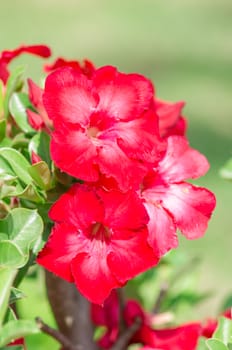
(71, 311)
(62, 339)
(126, 336)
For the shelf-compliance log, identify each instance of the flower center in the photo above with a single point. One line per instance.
(92, 131)
(100, 231)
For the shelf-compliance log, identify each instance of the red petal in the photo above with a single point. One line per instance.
(80, 207)
(190, 206)
(93, 276)
(61, 248)
(169, 114)
(181, 162)
(161, 229)
(130, 250)
(69, 97)
(114, 163)
(124, 96)
(35, 120)
(35, 94)
(139, 138)
(123, 210)
(38, 50)
(74, 152)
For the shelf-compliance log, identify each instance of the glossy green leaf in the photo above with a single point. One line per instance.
(16, 347)
(41, 174)
(17, 329)
(40, 144)
(223, 331)
(19, 103)
(17, 162)
(226, 170)
(6, 279)
(19, 231)
(13, 84)
(215, 344)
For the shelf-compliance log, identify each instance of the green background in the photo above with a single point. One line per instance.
(185, 47)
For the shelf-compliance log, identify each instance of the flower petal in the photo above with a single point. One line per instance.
(161, 229)
(130, 250)
(80, 207)
(58, 252)
(74, 152)
(69, 97)
(181, 162)
(190, 206)
(124, 96)
(92, 275)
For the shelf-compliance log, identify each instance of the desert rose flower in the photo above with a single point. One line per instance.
(171, 202)
(103, 125)
(8, 55)
(95, 235)
(87, 67)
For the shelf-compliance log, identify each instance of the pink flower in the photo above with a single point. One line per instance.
(172, 203)
(103, 125)
(96, 233)
(170, 120)
(7, 56)
(87, 67)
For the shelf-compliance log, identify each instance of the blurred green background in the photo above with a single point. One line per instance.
(185, 47)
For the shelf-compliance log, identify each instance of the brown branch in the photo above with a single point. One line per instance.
(57, 335)
(126, 336)
(162, 294)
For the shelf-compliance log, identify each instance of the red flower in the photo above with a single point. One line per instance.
(96, 233)
(108, 316)
(87, 68)
(170, 120)
(171, 202)
(184, 337)
(210, 326)
(102, 125)
(38, 120)
(19, 341)
(7, 56)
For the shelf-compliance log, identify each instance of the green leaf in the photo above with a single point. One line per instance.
(13, 83)
(226, 170)
(18, 163)
(6, 279)
(40, 144)
(41, 174)
(1, 99)
(19, 231)
(17, 329)
(215, 344)
(223, 331)
(19, 103)
(16, 347)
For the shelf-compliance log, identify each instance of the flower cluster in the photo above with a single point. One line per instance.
(128, 157)
(129, 150)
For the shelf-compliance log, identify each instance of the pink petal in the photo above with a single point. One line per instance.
(130, 250)
(69, 97)
(35, 120)
(74, 152)
(181, 162)
(80, 207)
(124, 96)
(161, 229)
(58, 252)
(190, 206)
